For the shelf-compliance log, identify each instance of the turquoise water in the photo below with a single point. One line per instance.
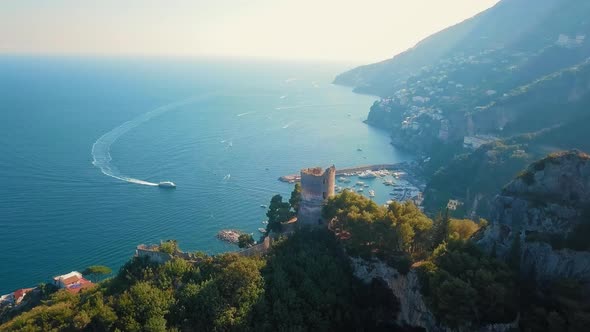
(82, 140)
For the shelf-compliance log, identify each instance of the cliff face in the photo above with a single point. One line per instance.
(541, 209)
(413, 309)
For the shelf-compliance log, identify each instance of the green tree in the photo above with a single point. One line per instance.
(169, 247)
(143, 308)
(245, 240)
(440, 229)
(295, 199)
(513, 259)
(462, 229)
(97, 271)
(278, 212)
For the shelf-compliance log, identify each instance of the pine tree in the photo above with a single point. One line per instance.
(440, 228)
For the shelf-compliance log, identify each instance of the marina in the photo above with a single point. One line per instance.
(381, 183)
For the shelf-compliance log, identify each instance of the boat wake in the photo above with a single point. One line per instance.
(101, 149)
(242, 114)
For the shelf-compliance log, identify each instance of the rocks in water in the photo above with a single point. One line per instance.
(229, 235)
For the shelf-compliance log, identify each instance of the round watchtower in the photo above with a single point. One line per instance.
(317, 185)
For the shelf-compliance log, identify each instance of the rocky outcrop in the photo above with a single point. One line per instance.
(539, 259)
(546, 201)
(413, 309)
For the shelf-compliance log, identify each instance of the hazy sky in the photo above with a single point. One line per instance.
(361, 31)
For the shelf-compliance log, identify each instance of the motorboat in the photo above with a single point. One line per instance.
(360, 190)
(360, 183)
(371, 193)
(262, 230)
(166, 184)
(264, 206)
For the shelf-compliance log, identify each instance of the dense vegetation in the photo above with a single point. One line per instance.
(399, 232)
(304, 284)
(463, 286)
(558, 306)
(476, 177)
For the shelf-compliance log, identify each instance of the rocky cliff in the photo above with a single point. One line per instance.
(413, 310)
(542, 211)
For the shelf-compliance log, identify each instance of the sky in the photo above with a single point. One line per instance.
(339, 30)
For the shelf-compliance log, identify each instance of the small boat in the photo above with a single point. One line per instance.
(360, 183)
(388, 182)
(262, 230)
(367, 175)
(360, 190)
(366, 186)
(371, 193)
(265, 222)
(166, 184)
(264, 206)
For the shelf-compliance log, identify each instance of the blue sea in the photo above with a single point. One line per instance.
(84, 139)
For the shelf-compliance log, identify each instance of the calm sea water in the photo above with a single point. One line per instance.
(223, 131)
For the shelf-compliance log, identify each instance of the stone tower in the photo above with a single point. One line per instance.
(317, 185)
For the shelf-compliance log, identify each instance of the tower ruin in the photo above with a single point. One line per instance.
(317, 185)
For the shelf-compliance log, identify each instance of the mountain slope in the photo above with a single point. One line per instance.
(516, 25)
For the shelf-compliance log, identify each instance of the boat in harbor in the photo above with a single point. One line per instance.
(371, 193)
(360, 190)
(367, 175)
(360, 183)
(262, 230)
(166, 184)
(264, 206)
(388, 182)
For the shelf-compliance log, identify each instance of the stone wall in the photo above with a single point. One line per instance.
(154, 256)
(256, 250)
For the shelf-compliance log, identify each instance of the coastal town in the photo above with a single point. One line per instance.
(443, 102)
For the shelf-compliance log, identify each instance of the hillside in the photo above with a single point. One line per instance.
(490, 67)
(511, 26)
(517, 73)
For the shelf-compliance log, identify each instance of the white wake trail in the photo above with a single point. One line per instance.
(101, 149)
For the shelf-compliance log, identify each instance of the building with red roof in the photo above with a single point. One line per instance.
(73, 282)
